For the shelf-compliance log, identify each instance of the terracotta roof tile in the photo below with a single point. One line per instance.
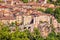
(3, 7)
(7, 18)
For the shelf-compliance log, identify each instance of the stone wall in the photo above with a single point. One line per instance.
(27, 19)
(42, 22)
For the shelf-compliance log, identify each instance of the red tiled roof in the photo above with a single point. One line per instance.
(3, 7)
(7, 18)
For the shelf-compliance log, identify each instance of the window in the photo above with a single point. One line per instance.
(29, 27)
(14, 2)
(24, 27)
(31, 21)
(11, 8)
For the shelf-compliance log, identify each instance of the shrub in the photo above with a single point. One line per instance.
(39, 9)
(57, 14)
(49, 11)
(25, 1)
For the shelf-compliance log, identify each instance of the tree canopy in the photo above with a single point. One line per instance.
(5, 34)
(25, 1)
(49, 10)
(57, 14)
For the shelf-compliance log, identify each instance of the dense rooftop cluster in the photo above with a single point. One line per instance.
(26, 16)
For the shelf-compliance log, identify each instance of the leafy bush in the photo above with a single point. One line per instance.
(49, 11)
(39, 9)
(5, 34)
(57, 14)
(25, 1)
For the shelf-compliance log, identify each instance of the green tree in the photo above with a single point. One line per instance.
(49, 11)
(5, 33)
(49, 1)
(57, 14)
(39, 9)
(17, 35)
(36, 35)
(58, 1)
(52, 36)
(58, 36)
(25, 1)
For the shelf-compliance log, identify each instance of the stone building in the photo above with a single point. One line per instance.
(40, 1)
(7, 19)
(27, 19)
(11, 1)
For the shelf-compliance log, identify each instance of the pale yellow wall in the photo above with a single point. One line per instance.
(44, 18)
(12, 21)
(19, 19)
(27, 19)
(5, 21)
(8, 21)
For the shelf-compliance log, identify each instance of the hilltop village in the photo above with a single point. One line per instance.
(27, 17)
